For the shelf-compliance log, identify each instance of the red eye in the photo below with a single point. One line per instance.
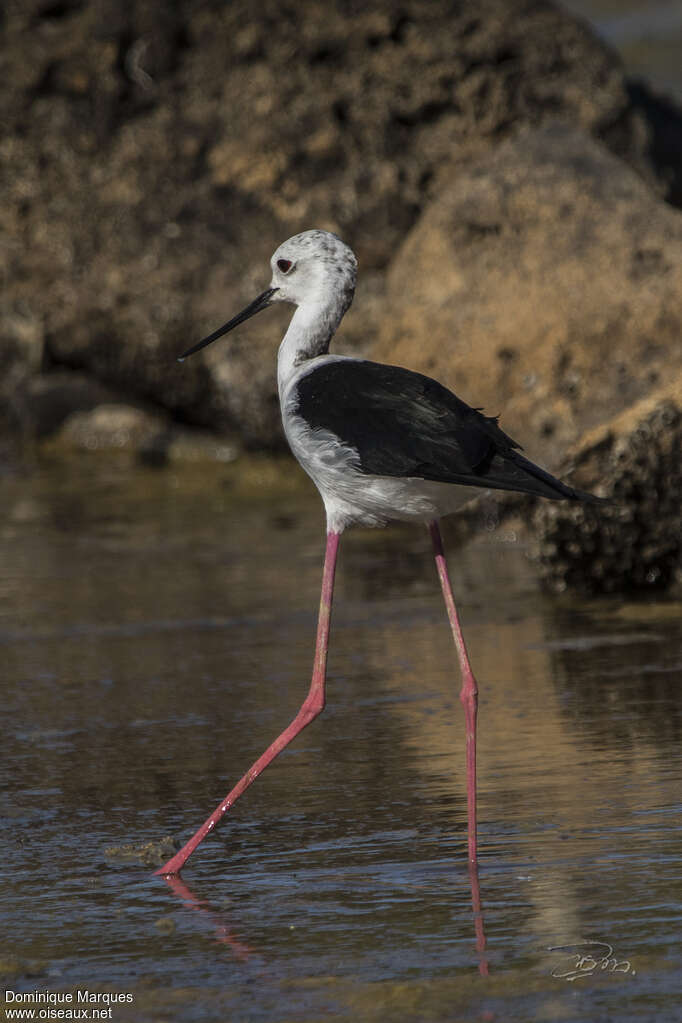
(284, 265)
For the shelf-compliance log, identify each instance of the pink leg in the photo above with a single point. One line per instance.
(479, 927)
(311, 707)
(469, 692)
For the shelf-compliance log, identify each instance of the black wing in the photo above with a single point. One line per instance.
(405, 424)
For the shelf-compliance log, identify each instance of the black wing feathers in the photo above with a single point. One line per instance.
(405, 424)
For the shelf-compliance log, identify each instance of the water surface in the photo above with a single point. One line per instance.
(156, 632)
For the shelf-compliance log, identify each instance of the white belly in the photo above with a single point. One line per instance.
(350, 496)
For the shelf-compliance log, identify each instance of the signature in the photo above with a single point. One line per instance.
(589, 957)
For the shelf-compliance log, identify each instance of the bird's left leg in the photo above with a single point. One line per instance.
(469, 692)
(311, 707)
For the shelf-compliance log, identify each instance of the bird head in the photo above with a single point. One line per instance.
(314, 268)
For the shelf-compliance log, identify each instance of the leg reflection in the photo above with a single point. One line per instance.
(223, 932)
(479, 927)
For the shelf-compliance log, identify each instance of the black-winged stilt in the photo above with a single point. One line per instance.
(380, 443)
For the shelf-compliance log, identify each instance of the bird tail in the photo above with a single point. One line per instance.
(521, 474)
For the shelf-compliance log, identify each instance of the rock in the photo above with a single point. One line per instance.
(190, 445)
(21, 357)
(543, 284)
(171, 147)
(41, 404)
(143, 433)
(649, 139)
(111, 427)
(635, 543)
(149, 854)
(166, 925)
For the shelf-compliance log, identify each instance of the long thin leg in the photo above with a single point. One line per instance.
(469, 692)
(479, 925)
(310, 708)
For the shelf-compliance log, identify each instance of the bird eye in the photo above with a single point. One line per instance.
(284, 265)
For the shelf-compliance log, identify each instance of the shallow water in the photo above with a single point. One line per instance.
(156, 632)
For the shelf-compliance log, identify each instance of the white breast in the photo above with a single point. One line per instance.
(351, 496)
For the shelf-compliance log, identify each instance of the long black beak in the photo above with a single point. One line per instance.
(255, 307)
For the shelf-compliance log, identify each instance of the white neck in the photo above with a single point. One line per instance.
(310, 331)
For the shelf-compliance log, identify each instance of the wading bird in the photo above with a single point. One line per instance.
(380, 443)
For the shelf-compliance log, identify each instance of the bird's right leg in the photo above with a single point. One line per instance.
(469, 692)
(310, 708)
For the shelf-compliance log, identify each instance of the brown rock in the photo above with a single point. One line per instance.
(543, 284)
(154, 154)
(42, 402)
(142, 433)
(635, 543)
(113, 427)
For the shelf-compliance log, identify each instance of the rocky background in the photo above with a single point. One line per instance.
(512, 198)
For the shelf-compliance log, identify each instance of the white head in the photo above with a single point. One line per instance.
(314, 270)
(314, 267)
